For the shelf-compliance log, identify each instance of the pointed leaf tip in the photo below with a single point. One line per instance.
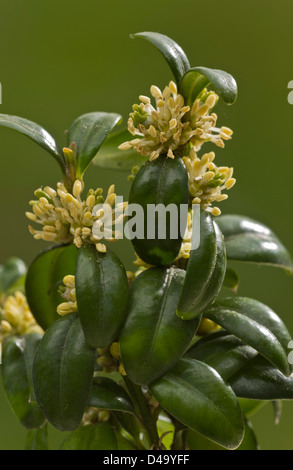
(171, 51)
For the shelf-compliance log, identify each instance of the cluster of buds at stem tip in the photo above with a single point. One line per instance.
(207, 181)
(16, 317)
(65, 217)
(171, 125)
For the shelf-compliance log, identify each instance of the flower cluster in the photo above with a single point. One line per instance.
(170, 126)
(68, 292)
(16, 317)
(109, 359)
(207, 181)
(65, 217)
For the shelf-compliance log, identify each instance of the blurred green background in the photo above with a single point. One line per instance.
(62, 59)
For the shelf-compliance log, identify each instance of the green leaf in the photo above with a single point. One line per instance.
(11, 272)
(259, 380)
(250, 407)
(195, 441)
(196, 79)
(255, 324)
(92, 437)
(108, 395)
(109, 156)
(43, 278)
(153, 337)
(205, 270)
(17, 361)
(89, 132)
(172, 52)
(197, 396)
(124, 443)
(250, 241)
(37, 439)
(63, 373)
(36, 133)
(250, 441)
(101, 291)
(158, 184)
(223, 352)
(231, 280)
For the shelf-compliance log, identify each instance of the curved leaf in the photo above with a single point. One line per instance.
(250, 441)
(37, 439)
(63, 373)
(251, 241)
(92, 437)
(197, 78)
(107, 394)
(255, 324)
(161, 185)
(11, 272)
(36, 133)
(109, 156)
(195, 441)
(231, 280)
(44, 275)
(223, 352)
(197, 396)
(101, 291)
(153, 337)
(17, 362)
(172, 52)
(259, 380)
(89, 132)
(205, 270)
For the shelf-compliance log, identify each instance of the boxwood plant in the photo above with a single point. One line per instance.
(158, 358)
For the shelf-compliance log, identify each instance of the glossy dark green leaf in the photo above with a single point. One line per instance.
(36, 133)
(161, 183)
(43, 278)
(197, 396)
(101, 291)
(250, 440)
(195, 441)
(259, 380)
(250, 241)
(11, 272)
(92, 437)
(89, 132)
(231, 280)
(107, 394)
(172, 52)
(17, 361)
(255, 324)
(196, 79)
(224, 352)
(153, 337)
(205, 270)
(37, 439)
(109, 156)
(63, 373)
